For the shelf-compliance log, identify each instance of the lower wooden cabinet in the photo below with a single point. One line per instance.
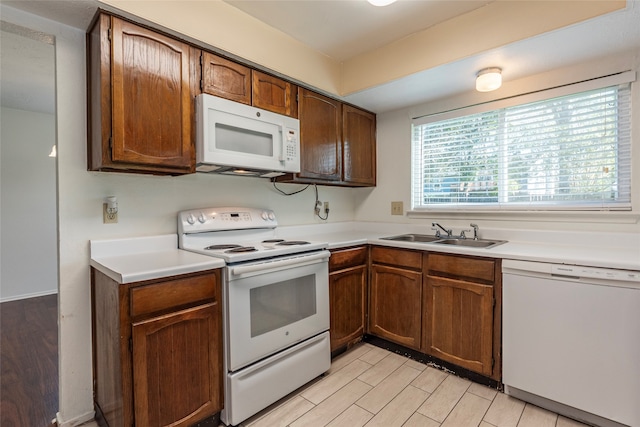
(460, 322)
(443, 305)
(157, 349)
(347, 295)
(395, 302)
(170, 353)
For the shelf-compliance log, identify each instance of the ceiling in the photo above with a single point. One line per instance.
(343, 29)
(347, 28)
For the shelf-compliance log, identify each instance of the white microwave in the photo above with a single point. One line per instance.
(238, 139)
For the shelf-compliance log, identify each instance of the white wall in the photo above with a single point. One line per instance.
(28, 178)
(147, 206)
(394, 160)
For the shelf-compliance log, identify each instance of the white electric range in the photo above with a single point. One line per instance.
(276, 304)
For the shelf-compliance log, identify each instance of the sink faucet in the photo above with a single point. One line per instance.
(435, 224)
(475, 231)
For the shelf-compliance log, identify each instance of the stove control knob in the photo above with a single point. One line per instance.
(191, 219)
(201, 218)
(271, 216)
(265, 215)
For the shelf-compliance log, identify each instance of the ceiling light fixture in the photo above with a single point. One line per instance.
(488, 79)
(381, 2)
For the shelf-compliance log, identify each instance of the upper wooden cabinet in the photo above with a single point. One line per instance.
(337, 143)
(320, 137)
(141, 89)
(358, 146)
(226, 79)
(231, 80)
(273, 94)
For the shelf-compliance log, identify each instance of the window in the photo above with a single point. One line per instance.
(562, 153)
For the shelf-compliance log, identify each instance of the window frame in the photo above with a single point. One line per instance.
(546, 209)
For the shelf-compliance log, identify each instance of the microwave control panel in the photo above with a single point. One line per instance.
(291, 145)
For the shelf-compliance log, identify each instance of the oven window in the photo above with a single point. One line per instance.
(281, 304)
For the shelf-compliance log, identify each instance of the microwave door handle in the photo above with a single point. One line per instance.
(283, 144)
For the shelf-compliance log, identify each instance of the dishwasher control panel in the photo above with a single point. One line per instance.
(572, 272)
(595, 273)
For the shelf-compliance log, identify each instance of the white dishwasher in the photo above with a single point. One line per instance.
(571, 340)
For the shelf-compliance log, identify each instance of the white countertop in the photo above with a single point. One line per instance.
(605, 250)
(145, 258)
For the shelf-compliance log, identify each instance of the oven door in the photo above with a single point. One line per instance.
(272, 305)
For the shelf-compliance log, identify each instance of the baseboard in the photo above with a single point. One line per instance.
(32, 295)
(431, 360)
(74, 422)
(562, 409)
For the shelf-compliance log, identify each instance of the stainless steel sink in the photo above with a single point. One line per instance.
(480, 243)
(423, 238)
(427, 238)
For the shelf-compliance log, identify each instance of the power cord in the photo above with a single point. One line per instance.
(273, 180)
(318, 205)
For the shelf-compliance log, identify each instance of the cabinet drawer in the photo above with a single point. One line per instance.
(462, 267)
(346, 258)
(179, 292)
(397, 257)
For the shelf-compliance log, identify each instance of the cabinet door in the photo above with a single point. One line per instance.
(459, 323)
(152, 101)
(273, 94)
(395, 305)
(347, 296)
(320, 136)
(177, 367)
(226, 79)
(359, 146)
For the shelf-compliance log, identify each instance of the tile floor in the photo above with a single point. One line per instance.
(372, 387)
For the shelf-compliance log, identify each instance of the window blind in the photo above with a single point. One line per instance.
(571, 152)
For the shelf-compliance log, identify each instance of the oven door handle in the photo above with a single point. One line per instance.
(276, 265)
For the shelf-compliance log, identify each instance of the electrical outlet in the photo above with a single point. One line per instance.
(396, 208)
(326, 207)
(108, 218)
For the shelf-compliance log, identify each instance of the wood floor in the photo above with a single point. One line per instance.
(29, 362)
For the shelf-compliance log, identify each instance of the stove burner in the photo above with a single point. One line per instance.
(220, 247)
(293, 243)
(273, 241)
(241, 249)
